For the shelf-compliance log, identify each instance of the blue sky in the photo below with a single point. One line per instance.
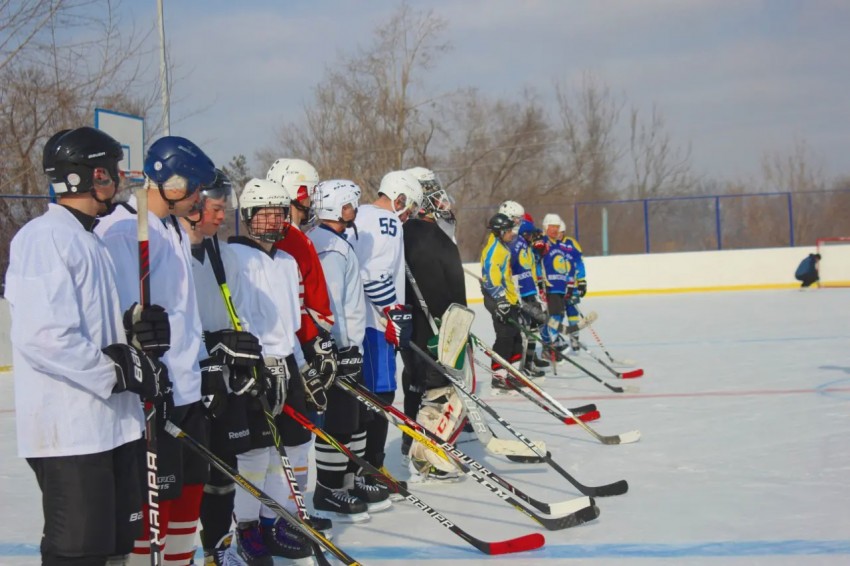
(734, 78)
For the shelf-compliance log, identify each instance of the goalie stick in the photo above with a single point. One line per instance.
(625, 438)
(315, 536)
(614, 361)
(519, 544)
(448, 354)
(213, 249)
(578, 510)
(152, 467)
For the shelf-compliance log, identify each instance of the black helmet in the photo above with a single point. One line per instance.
(70, 158)
(499, 224)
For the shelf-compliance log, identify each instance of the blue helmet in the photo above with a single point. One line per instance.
(173, 155)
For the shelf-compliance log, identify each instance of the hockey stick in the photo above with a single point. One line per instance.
(149, 408)
(214, 252)
(613, 489)
(625, 438)
(483, 432)
(614, 361)
(519, 544)
(315, 536)
(619, 374)
(579, 510)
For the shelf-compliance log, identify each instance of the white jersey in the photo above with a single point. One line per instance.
(61, 290)
(213, 313)
(172, 287)
(345, 286)
(379, 246)
(269, 298)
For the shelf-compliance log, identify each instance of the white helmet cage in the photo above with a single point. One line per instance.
(330, 197)
(263, 193)
(512, 210)
(402, 183)
(436, 202)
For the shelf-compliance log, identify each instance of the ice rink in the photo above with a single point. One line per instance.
(744, 413)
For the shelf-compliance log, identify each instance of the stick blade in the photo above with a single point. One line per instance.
(631, 374)
(629, 437)
(617, 488)
(584, 417)
(524, 543)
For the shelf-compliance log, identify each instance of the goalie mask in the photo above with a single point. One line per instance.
(436, 202)
(331, 197)
(264, 207)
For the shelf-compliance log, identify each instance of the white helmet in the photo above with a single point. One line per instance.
(398, 183)
(512, 210)
(262, 193)
(298, 177)
(436, 202)
(330, 197)
(563, 227)
(552, 219)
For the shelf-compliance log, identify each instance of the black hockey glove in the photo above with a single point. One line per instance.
(275, 375)
(534, 314)
(505, 311)
(234, 348)
(581, 284)
(315, 388)
(350, 364)
(148, 329)
(321, 355)
(141, 374)
(213, 387)
(399, 326)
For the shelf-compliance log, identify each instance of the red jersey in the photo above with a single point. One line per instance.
(313, 291)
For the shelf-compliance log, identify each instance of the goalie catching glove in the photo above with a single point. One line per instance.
(141, 374)
(148, 329)
(234, 348)
(399, 326)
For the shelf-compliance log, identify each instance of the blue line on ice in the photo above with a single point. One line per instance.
(563, 551)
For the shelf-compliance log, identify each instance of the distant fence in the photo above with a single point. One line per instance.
(687, 223)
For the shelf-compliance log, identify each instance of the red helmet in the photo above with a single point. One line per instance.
(528, 217)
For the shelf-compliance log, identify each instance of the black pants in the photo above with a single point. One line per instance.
(92, 504)
(376, 433)
(508, 342)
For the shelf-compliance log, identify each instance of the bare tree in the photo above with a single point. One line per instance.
(658, 167)
(370, 114)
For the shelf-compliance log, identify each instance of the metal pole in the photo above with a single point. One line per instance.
(163, 73)
(646, 223)
(791, 219)
(717, 223)
(604, 231)
(575, 221)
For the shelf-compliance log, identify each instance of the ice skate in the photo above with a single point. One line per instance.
(339, 505)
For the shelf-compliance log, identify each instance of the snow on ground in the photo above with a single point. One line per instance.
(744, 412)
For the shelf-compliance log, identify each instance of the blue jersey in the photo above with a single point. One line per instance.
(573, 251)
(557, 268)
(522, 267)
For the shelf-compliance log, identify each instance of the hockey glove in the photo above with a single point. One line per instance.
(351, 364)
(321, 355)
(399, 326)
(213, 387)
(582, 287)
(148, 329)
(275, 375)
(534, 314)
(141, 374)
(573, 297)
(234, 348)
(315, 388)
(505, 311)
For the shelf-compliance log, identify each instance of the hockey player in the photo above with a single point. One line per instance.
(175, 170)
(524, 269)
(268, 301)
(78, 417)
(558, 272)
(577, 285)
(377, 241)
(338, 492)
(434, 261)
(299, 179)
(500, 295)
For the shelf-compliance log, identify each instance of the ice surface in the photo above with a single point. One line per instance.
(744, 457)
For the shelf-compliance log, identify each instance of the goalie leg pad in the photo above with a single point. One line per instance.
(441, 412)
